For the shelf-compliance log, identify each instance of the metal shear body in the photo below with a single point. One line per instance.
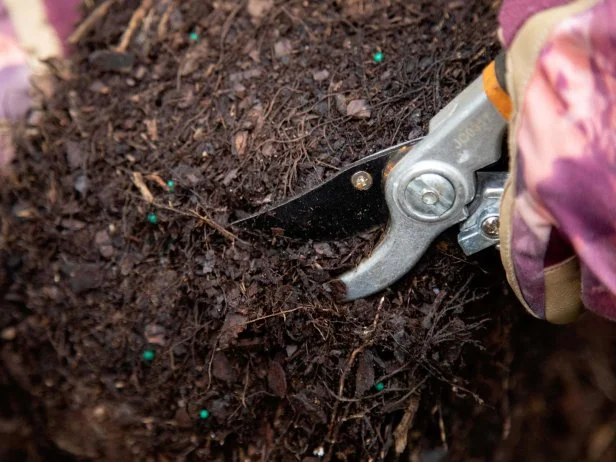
(427, 188)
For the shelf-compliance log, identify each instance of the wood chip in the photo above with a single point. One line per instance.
(143, 189)
(233, 326)
(74, 156)
(364, 378)
(402, 430)
(240, 143)
(359, 109)
(222, 369)
(277, 379)
(152, 128)
(72, 225)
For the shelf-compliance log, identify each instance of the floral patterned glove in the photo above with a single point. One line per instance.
(30, 31)
(558, 215)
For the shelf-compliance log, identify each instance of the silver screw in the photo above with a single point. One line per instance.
(429, 195)
(490, 226)
(361, 180)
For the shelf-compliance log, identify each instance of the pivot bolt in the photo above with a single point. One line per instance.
(429, 195)
(490, 226)
(362, 181)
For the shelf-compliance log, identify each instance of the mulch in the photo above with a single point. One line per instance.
(131, 306)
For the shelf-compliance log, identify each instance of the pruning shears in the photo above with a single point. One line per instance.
(419, 189)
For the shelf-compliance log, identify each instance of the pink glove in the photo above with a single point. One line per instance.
(30, 30)
(558, 228)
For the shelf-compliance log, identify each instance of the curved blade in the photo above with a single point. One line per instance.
(334, 209)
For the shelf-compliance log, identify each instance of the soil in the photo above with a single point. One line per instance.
(131, 305)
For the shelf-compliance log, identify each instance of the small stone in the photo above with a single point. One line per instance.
(141, 72)
(283, 47)
(102, 237)
(319, 452)
(259, 8)
(106, 251)
(103, 242)
(426, 61)
(385, 76)
(83, 277)
(222, 368)
(323, 248)
(99, 412)
(239, 88)
(341, 105)
(321, 75)
(9, 334)
(35, 118)
(155, 334)
(73, 154)
(291, 349)
(99, 87)
(230, 176)
(81, 184)
(359, 109)
(192, 178)
(72, 224)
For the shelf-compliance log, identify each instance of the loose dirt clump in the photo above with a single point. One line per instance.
(138, 324)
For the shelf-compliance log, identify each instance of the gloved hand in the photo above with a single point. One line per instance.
(29, 33)
(558, 214)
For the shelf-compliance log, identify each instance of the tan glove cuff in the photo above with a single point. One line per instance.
(562, 302)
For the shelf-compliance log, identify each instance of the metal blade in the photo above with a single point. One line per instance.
(336, 208)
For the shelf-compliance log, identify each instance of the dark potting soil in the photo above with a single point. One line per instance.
(130, 306)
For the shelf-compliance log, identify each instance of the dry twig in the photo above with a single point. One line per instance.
(133, 24)
(141, 186)
(205, 219)
(402, 430)
(333, 428)
(96, 15)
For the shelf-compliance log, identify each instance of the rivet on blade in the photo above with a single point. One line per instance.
(361, 180)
